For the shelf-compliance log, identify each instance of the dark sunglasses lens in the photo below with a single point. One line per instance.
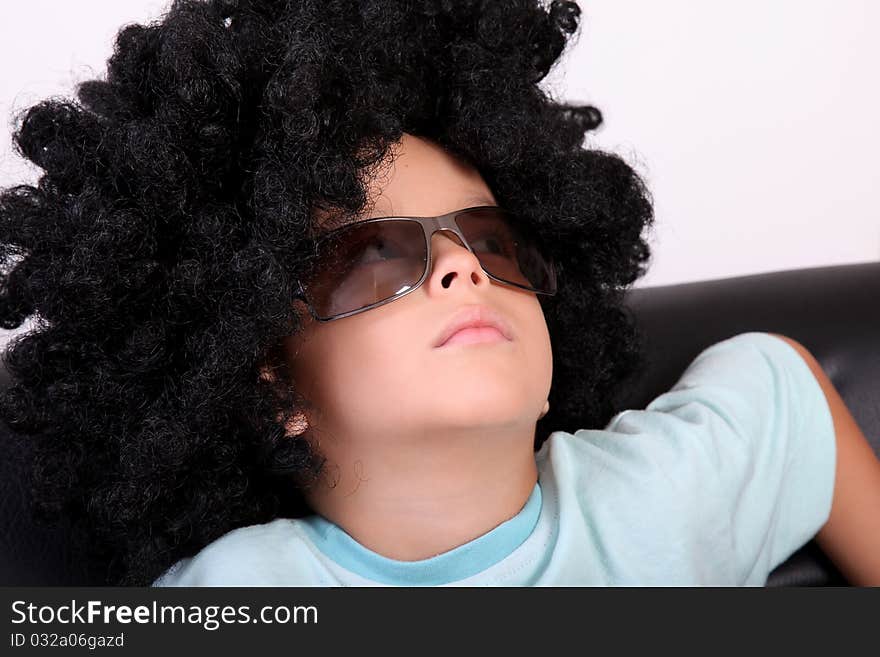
(366, 263)
(505, 251)
(369, 262)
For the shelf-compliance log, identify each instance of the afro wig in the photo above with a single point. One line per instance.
(161, 247)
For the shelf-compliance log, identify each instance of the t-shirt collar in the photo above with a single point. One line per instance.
(460, 562)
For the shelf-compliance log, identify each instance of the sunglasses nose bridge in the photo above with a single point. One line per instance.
(443, 226)
(447, 226)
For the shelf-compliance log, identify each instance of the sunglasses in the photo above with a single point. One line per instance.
(366, 264)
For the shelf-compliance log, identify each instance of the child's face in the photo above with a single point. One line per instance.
(376, 377)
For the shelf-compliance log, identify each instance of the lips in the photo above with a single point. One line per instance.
(474, 316)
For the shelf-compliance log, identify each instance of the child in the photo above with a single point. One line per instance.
(434, 479)
(247, 387)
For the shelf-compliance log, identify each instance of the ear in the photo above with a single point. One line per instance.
(297, 424)
(545, 409)
(268, 372)
(267, 375)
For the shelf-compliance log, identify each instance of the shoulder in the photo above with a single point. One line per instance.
(712, 422)
(246, 556)
(794, 343)
(751, 376)
(735, 460)
(807, 357)
(728, 356)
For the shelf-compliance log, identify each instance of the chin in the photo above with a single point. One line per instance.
(482, 409)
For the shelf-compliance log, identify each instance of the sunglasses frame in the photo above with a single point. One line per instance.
(429, 225)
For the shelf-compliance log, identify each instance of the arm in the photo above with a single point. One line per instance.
(851, 536)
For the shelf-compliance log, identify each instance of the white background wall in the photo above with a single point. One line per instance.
(756, 123)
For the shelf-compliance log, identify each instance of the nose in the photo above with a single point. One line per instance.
(445, 244)
(441, 237)
(450, 257)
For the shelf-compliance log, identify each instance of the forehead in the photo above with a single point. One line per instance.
(416, 178)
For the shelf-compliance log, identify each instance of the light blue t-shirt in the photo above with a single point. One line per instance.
(716, 482)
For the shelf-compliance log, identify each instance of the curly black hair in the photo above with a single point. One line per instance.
(160, 249)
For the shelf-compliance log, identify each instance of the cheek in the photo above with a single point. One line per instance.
(538, 354)
(353, 370)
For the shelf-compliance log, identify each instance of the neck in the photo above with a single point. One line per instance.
(415, 500)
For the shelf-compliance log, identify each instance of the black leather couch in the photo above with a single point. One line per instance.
(833, 311)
